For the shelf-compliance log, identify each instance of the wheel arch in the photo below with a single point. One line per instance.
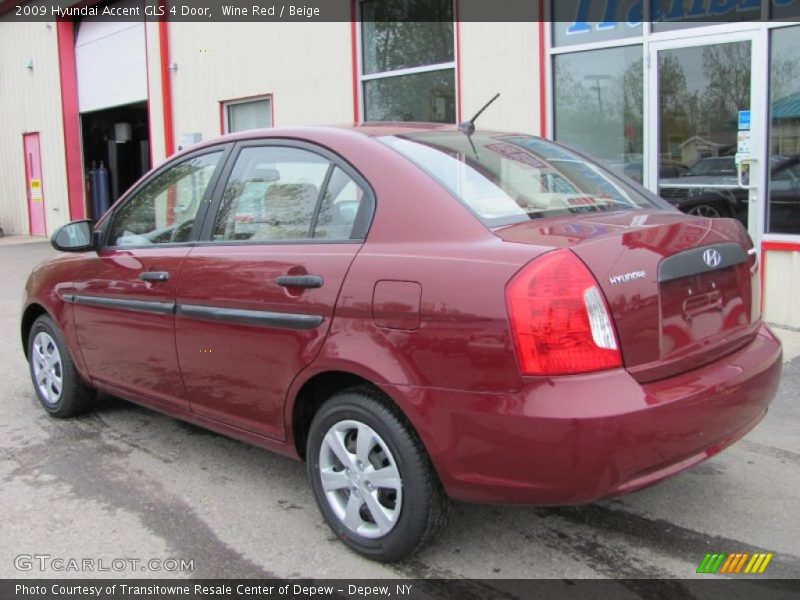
(312, 394)
(32, 312)
(321, 386)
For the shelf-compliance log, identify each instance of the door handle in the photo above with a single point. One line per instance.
(300, 281)
(155, 276)
(740, 174)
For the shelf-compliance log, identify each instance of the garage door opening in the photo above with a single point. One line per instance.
(116, 153)
(111, 70)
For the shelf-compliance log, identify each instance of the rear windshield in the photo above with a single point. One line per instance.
(509, 178)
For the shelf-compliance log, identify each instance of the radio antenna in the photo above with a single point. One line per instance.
(468, 127)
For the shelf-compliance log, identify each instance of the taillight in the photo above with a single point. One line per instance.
(559, 318)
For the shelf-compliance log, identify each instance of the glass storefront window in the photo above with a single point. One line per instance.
(408, 65)
(701, 91)
(783, 208)
(598, 105)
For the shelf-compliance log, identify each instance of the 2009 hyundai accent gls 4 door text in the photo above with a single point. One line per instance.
(419, 313)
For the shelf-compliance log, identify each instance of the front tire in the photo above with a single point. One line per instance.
(59, 388)
(372, 479)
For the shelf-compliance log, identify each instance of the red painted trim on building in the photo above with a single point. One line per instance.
(542, 74)
(458, 59)
(776, 246)
(73, 160)
(149, 104)
(166, 82)
(221, 117)
(781, 246)
(761, 268)
(354, 59)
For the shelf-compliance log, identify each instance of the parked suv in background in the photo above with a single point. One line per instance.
(419, 312)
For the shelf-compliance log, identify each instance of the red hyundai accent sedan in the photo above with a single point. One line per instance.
(419, 313)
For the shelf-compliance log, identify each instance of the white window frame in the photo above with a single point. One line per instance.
(226, 104)
(650, 41)
(406, 71)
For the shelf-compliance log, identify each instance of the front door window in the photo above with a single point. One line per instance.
(164, 210)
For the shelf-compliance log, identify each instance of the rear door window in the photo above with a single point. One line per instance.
(339, 207)
(281, 193)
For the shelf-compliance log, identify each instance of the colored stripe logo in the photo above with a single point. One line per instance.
(740, 562)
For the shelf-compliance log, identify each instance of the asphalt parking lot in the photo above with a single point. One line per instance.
(126, 482)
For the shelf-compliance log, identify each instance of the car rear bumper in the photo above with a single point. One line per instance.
(576, 439)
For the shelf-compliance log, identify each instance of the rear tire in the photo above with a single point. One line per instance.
(380, 495)
(59, 388)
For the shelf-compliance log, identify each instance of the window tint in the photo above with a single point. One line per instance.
(271, 195)
(339, 207)
(163, 211)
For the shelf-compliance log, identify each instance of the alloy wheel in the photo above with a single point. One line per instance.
(360, 479)
(48, 370)
(705, 210)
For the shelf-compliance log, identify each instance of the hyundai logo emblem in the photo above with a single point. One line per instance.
(712, 257)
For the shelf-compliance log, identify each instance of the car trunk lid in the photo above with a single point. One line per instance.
(680, 288)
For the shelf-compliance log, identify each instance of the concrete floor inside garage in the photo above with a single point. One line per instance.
(124, 481)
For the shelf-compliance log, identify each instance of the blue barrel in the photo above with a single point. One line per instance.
(103, 191)
(93, 199)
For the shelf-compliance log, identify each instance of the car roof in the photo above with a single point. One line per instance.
(317, 132)
(368, 129)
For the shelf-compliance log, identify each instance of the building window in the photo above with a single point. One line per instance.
(598, 105)
(408, 66)
(253, 113)
(783, 208)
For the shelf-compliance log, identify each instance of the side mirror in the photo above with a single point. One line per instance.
(77, 236)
